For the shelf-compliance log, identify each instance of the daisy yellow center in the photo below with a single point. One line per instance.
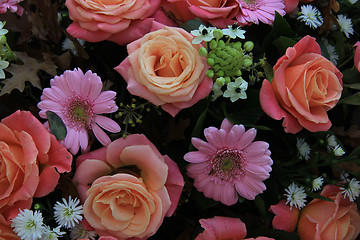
(78, 112)
(226, 165)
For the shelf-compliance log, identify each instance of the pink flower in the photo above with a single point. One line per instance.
(357, 56)
(165, 68)
(285, 218)
(259, 10)
(229, 163)
(131, 172)
(12, 5)
(223, 228)
(77, 99)
(218, 13)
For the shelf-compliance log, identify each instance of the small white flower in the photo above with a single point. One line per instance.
(331, 141)
(345, 25)
(53, 234)
(303, 148)
(351, 189)
(338, 151)
(317, 183)
(234, 31)
(216, 91)
(67, 214)
(79, 232)
(3, 31)
(344, 176)
(203, 34)
(69, 45)
(236, 90)
(28, 225)
(330, 49)
(311, 16)
(295, 196)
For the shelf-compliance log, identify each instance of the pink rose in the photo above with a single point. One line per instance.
(117, 21)
(29, 156)
(6, 232)
(130, 173)
(219, 13)
(165, 68)
(357, 56)
(222, 228)
(327, 220)
(304, 87)
(285, 218)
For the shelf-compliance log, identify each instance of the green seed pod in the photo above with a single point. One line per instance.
(247, 62)
(210, 61)
(203, 51)
(221, 44)
(248, 46)
(213, 44)
(210, 73)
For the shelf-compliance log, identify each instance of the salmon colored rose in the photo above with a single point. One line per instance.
(165, 68)
(30, 161)
(127, 188)
(218, 13)
(6, 232)
(357, 56)
(304, 87)
(286, 218)
(325, 220)
(120, 21)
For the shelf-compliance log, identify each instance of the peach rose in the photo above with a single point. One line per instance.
(29, 156)
(357, 56)
(6, 232)
(219, 13)
(285, 218)
(304, 87)
(327, 220)
(118, 21)
(165, 68)
(128, 187)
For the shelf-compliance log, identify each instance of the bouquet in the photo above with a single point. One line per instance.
(179, 119)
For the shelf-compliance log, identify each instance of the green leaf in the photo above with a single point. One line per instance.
(353, 86)
(56, 125)
(192, 24)
(269, 73)
(260, 205)
(351, 100)
(198, 128)
(350, 76)
(318, 196)
(282, 43)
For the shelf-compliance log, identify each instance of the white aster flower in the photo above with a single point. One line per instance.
(69, 45)
(303, 149)
(317, 183)
(351, 189)
(79, 232)
(203, 34)
(338, 151)
(330, 49)
(236, 90)
(234, 31)
(295, 196)
(28, 225)
(345, 25)
(311, 16)
(52, 234)
(67, 214)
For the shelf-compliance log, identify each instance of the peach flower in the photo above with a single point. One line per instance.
(285, 218)
(117, 21)
(218, 13)
(357, 56)
(29, 156)
(128, 187)
(165, 68)
(6, 232)
(325, 220)
(304, 87)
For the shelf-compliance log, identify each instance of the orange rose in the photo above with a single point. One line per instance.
(304, 87)
(29, 155)
(165, 68)
(325, 220)
(6, 232)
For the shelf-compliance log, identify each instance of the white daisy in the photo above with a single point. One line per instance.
(317, 183)
(345, 25)
(28, 225)
(234, 31)
(303, 149)
(295, 196)
(331, 141)
(330, 49)
(67, 214)
(79, 232)
(52, 234)
(236, 90)
(338, 151)
(351, 189)
(311, 16)
(203, 34)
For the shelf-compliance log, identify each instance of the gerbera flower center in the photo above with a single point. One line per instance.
(226, 165)
(78, 112)
(251, 4)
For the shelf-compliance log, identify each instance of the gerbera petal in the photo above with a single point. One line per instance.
(100, 135)
(83, 139)
(107, 123)
(203, 146)
(196, 157)
(246, 138)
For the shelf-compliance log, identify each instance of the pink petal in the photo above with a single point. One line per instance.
(285, 218)
(225, 227)
(196, 157)
(107, 123)
(100, 135)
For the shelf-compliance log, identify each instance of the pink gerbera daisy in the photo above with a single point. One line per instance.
(77, 99)
(229, 163)
(12, 5)
(253, 11)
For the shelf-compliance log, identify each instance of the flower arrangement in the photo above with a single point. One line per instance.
(170, 119)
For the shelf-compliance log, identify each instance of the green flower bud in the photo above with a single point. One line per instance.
(227, 80)
(217, 67)
(213, 44)
(221, 44)
(220, 81)
(210, 73)
(218, 33)
(220, 73)
(212, 55)
(238, 73)
(202, 51)
(247, 62)
(38, 206)
(210, 61)
(248, 46)
(237, 46)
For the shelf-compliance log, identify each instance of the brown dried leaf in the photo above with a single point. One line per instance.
(26, 72)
